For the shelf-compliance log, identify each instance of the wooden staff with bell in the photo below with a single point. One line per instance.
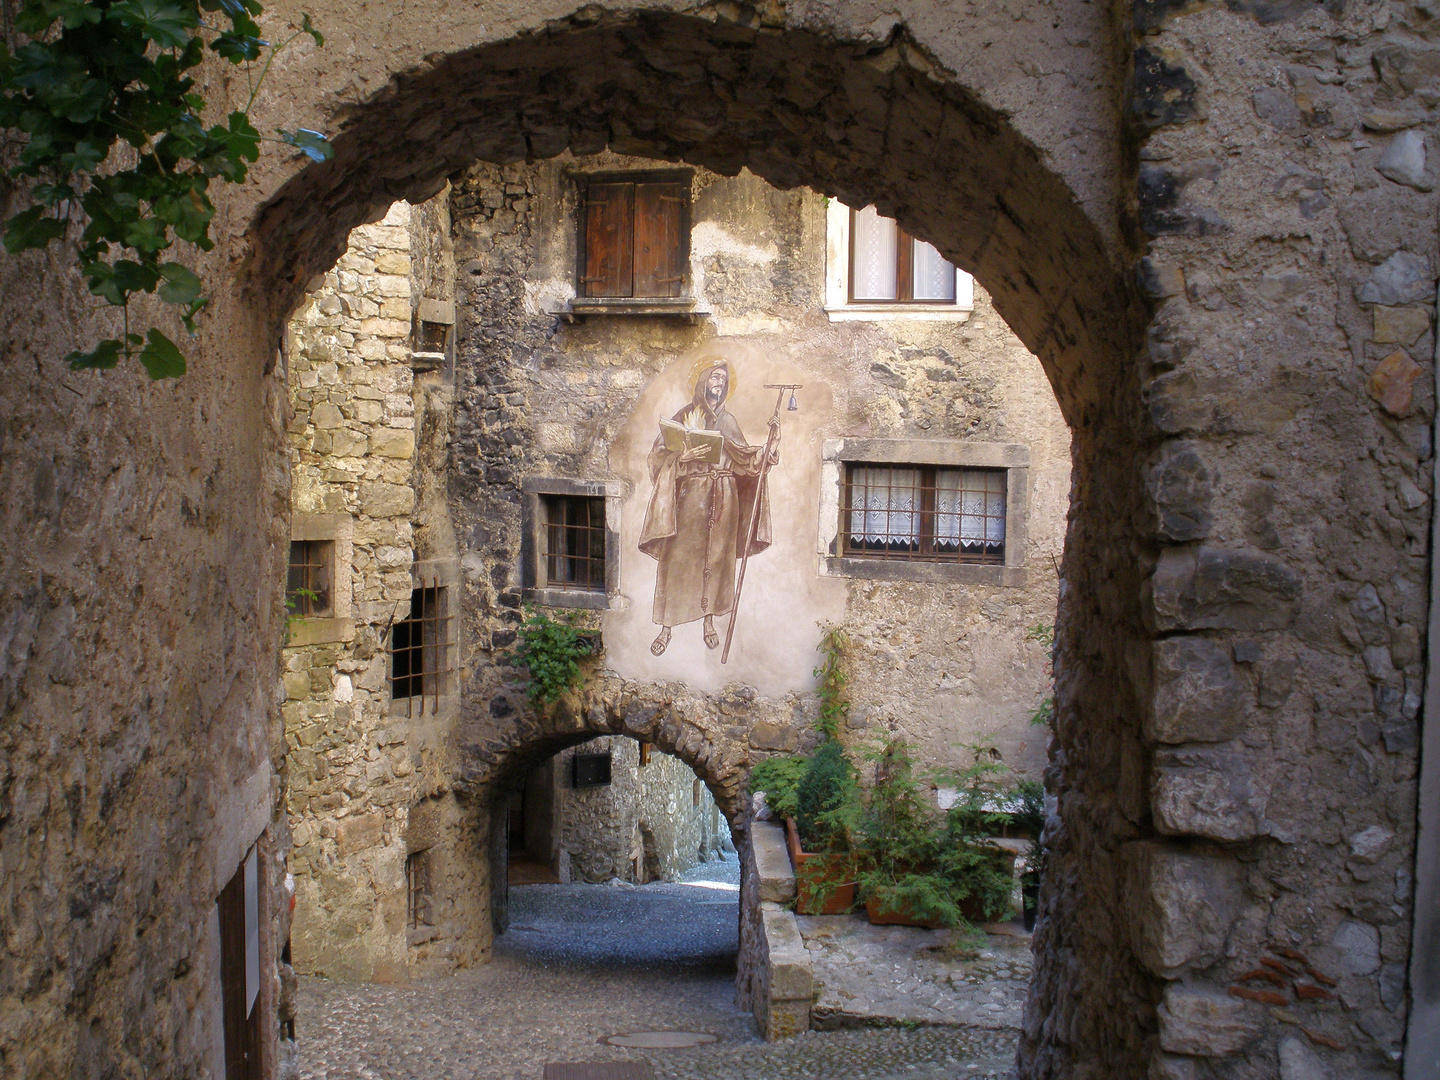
(755, 505)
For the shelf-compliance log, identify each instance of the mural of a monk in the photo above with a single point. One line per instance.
(699, 512)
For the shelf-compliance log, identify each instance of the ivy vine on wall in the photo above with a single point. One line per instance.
(119, 161)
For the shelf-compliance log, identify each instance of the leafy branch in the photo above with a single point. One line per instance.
(834, 705)
(119, 156)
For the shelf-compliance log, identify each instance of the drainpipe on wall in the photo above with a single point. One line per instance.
(1422, 1043)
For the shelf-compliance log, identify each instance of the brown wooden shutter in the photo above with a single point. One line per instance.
(659, 251)
(609, 240)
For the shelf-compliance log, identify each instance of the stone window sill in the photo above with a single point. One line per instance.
(319, 631)
(567, 598)
(898, 312)
(937, 573)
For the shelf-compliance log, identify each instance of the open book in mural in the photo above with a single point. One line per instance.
(709, 508)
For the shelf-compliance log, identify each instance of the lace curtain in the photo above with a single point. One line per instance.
(969, 508)
(885, 505)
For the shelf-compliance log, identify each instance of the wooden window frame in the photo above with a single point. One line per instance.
(588, 570)
(838, 275)
(317, 575)
(927, 487)
(633, 296)
(837, 454)
(536, 588)
(904, 271)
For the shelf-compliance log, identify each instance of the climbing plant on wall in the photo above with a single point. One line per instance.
(103, 95)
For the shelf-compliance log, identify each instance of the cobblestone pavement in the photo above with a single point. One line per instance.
(584, 961)
(907, 975)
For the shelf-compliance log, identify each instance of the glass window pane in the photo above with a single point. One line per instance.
(873, 238)
(933, 276)
(885, 507)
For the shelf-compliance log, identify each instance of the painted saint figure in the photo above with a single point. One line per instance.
(701, 508)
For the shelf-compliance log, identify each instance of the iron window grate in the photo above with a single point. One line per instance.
(923, 513)
(418, 902)
(421, 650)
(307, 590)
(574, 536)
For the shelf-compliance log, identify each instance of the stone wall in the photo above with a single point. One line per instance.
(660, 811)
(542, 395)
(360, 762)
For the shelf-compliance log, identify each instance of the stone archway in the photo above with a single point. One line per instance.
(870, 122)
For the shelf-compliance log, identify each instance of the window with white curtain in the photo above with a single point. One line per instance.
(924, 512)
(888, 265)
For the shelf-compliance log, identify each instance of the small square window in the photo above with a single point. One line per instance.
(308, 591)
(574, 543)
(421, 649)
(419, 907)
(590, 770)
(923, 513)
(634, 236)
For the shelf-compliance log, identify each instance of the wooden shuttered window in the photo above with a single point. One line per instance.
(635, 239)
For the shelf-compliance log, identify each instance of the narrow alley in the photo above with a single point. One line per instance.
(580, 963)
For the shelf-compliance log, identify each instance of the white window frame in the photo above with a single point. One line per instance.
(838, 306)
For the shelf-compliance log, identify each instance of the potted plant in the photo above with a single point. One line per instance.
(825, 874)
(921, 866)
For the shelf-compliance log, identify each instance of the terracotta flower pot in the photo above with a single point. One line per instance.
(881, 915)
(820, 874)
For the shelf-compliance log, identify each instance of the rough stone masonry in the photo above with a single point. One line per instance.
(1214, 224)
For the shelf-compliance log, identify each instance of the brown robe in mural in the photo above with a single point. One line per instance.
(697, 515)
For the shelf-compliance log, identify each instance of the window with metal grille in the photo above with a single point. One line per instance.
(634, 236)
(312, 568)
(889, 266)
(574, 538)
(923, 512)
(421, 650)
(418, 902)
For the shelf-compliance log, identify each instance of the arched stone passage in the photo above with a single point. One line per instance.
(576, 718)
(878, 123)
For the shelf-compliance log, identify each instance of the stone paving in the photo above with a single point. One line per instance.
(584, 961)
(902, 974)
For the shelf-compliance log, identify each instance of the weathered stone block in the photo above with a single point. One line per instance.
(1204, 1021)
(359, 833)
(326, 415)
(1299, 1062)
(1223, 589)
(1179, 486)
(386, 500)
(1183, 906)
(392, 442)
(1358, 944)
(1206, 792)
(768, 736)
(1198, 692)
(772, 862)
(1400, 325)
(1391, 384)
(1403, 278)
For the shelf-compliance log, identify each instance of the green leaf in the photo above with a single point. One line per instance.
(237, 47)
(31, 229)
(181, 285)
(312, 144)
(161, 357)
(242, 138)
(106, 354)
(165, 23)
(148, 235)
(86, 157)
(309, 28)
